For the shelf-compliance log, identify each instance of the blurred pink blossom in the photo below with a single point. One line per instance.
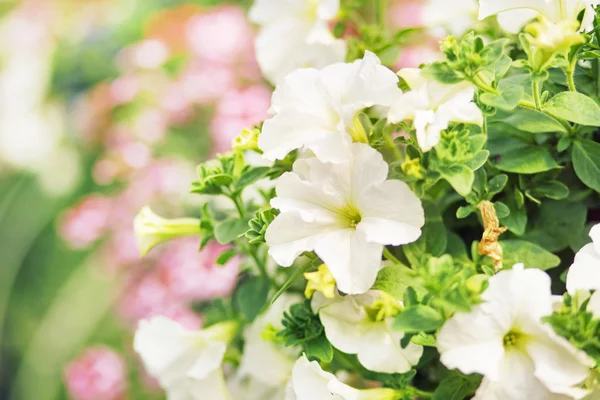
(236, 110)
(98, 373)
(204, 84)
(149, 54)
(222, 35)
(151, 125)
(124, 89)
(86, 222)
(414, 55)
(192, 275)
(406, 13)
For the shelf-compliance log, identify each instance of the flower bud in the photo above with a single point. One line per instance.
(246, 140)
(151, 229)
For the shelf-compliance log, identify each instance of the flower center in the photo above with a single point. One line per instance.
(514, 340)
(350, 215)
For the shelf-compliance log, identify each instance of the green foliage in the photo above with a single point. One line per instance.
(530, 254)
(418, 318)
(230, 229)
(456, 386)
(574, 107)
(578, 326)
(303, 328)
(250, 296)
(259, 224)
(586, 160)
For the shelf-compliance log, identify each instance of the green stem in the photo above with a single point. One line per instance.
(390, 143)
(535, 84)
(388, 254)
(249, 249)
(571, 74)
(421, 393)
(380, 10)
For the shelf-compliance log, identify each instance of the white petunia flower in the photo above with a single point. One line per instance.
(368, 334)
(263, 360)
(310, 382)
(505, 340)
(346, 213)
(584, 273)
(186, 363)
(445, 17)
(295, 34)
(514, 14)
(433, 105)
(316, 109)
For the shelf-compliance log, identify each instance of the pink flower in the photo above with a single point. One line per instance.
(193, 275)
(406, 14)
(98, 373)
(86, 222)
(124, 89)
(414, 55)
(239, 109)
(222, 35)
(207, 83)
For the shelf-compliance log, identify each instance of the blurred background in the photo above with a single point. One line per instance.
(106, 106)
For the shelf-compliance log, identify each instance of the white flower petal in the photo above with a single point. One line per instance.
(391, 214)
(289, 235)
(341, 320)
(491, 7)
(460, 108)
(380, 350)
(595, 235)
(514, 20)
(584, 273)
(516, 382)
(211, 387)
(429, 126)
(368, 168)
(473, 343)
(305, 198)
(413, 78)
(170, 352)
(364, 83)
(353, 262)
(558, 364)
(310, 382)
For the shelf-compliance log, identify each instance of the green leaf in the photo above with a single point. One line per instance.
(229, 230)
(526, 160)
(532, 121)
(496, 185)
(424, 339)
(556, 223)
(251, 296)
(554, 190)
(516, 221)
(477, 162)
(586, 160)
(441, 72)
(464, 212)
(460, 177)
(396, 279)
(225, 256)
(507, 100)
(319, 348)
(501, 209)
(456, 387)
(250, 176)
(530, 254)
(418, 318)
(574, 107)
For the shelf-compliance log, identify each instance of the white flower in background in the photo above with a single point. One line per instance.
(346, 213)
(514, 14)
(584, 274)
(362, 325)
(263, 360)
(317, 109)
(455, 17)
(295, 34)
(505, 340)
(186, 363)
(433, 105)
(310, 382)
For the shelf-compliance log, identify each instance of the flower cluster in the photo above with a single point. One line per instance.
(385, 234)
